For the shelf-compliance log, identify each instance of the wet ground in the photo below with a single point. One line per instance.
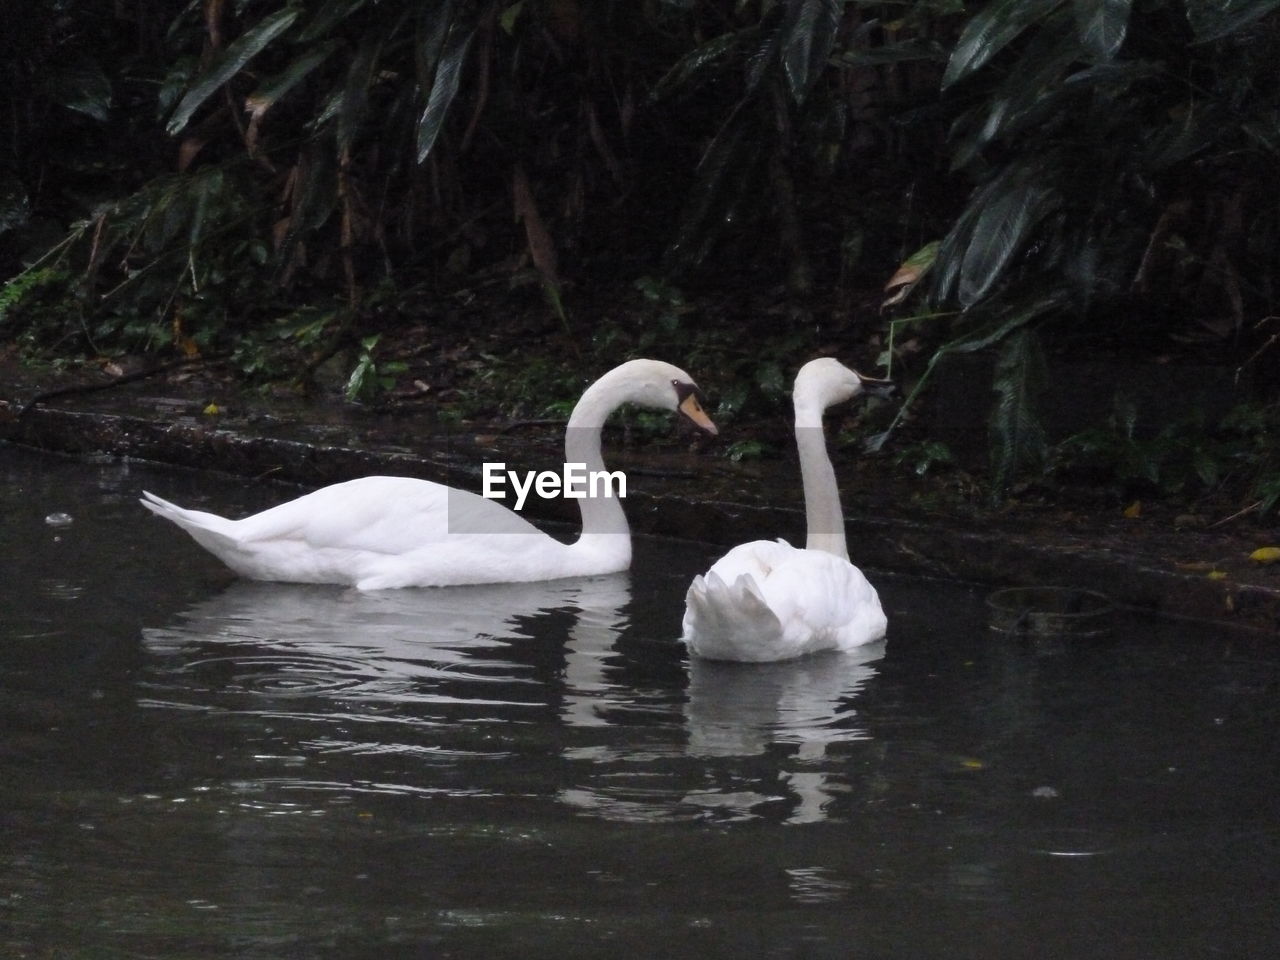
(194, 766)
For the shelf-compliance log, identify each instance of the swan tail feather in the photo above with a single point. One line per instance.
(729, 621)
(216, 534)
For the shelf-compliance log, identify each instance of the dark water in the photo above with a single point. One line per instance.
(192, 766)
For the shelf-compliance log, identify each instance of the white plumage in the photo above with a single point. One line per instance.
(377, 533)
(767, 600)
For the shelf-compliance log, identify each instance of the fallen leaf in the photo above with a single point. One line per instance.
(1217, 575)
(909, 274)
(1133, 510)
(212, 409)
(1265, 555)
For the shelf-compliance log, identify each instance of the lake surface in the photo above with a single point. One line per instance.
(193, 766)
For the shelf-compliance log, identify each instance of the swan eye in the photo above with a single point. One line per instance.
(688, 402)
(686, 390)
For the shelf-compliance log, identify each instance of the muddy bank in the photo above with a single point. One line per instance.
(680, 486)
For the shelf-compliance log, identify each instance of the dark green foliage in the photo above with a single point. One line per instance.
(284, 182)
(1113, 151)
(1017, 437)
(801, 106)
(1114, 148)
(1188, 457)
(924, 456)
(999, 325)
(38, 310)
(75, 82)
(371, 376)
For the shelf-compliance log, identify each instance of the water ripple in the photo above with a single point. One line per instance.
(280, 675)
(56, 588)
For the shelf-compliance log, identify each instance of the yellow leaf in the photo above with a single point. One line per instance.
(1265, 555)
(212, 408)
(972, 763)
(1217, 575)
(1133, 510)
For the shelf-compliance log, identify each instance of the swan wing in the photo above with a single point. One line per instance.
(823, 602)
(376, 533)
(783, 603)
(756, 559)
(388, 515)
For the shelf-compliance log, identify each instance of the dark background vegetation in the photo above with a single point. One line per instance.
(487, 202)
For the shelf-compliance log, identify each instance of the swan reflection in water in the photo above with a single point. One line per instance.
(388, 647)
(548, 673)
(739, 709)
(742, 709)
(794, 711)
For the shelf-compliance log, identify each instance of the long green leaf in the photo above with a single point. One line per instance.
(1013, 319)
(772, 33)
(232, 61)
(1008, 208)
(1215, 19)
(444, 87)
(1187, 131)
(329, 16)
(992, 29)
(1102, 25)
(81, 86)
(902, 51)
(276, 86)
(318, 191)
(811, 34)
(204, 192)
(689, 68)
(1031, 89)
(352, 110)
(15, 205)
(315, 200)
(432, 31)
(1016, 434)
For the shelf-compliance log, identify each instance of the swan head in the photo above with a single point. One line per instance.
(826, 381)
(654, 384)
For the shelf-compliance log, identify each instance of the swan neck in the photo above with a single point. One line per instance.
(601, 514)
(824, 520)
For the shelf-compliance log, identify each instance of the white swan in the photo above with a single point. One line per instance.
(377, 533)
(768, 600)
